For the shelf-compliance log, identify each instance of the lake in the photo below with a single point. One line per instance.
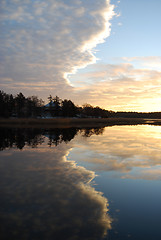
(98, 183)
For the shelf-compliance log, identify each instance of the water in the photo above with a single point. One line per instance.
(81, 184)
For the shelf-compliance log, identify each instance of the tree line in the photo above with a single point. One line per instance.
(20, 106)
(67, 108)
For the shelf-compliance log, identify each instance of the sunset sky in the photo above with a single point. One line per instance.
(107, 54)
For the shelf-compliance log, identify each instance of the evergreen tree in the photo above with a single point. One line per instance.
(20, 103)
(68, 108)
(57, 104)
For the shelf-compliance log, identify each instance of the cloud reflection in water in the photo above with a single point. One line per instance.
(123, 151)
(44, 196)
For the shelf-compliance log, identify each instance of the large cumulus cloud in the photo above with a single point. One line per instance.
(43, 41)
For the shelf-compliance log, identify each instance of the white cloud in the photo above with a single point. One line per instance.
(150, 62)
(59, 34)
(41, 42)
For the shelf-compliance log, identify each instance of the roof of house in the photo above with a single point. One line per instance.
(52, 104)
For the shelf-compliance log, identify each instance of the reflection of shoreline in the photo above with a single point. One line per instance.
(19, 137)
(44, 196)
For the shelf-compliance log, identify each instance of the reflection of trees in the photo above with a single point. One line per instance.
(19, 137)
(45, 197)
(59, 135)
(87, 132)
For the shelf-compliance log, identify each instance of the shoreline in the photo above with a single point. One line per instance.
(74, 122)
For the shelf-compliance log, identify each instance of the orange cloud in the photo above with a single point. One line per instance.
(122, 87)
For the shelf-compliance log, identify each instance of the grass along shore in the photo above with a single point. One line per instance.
(74, 122)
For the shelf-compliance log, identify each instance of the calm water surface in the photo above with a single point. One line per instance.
(81, 184)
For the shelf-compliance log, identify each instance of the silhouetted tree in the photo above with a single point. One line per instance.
(11, 105)
(54, 106)
(57, 106)
(20, 104)
(68, 108)
(34, 106)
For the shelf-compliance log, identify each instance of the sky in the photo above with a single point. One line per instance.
(101, 52)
